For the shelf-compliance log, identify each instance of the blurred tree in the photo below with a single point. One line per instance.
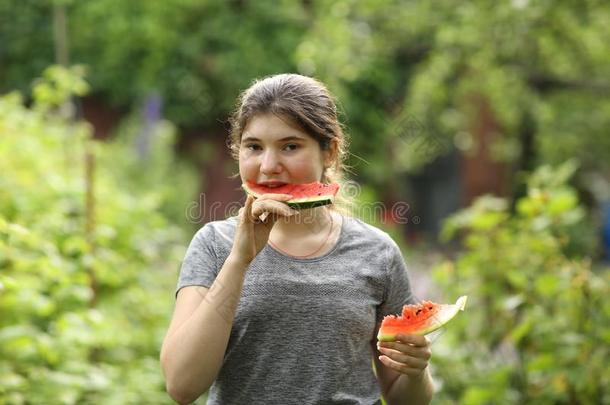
(539, 69)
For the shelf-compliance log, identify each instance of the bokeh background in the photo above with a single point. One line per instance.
(481, 129)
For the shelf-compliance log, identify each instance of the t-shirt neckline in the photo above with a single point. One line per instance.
(312, 259)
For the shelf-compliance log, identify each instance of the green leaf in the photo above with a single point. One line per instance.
(521, 330)
(562, 201)
(548, 285)
(478, 396)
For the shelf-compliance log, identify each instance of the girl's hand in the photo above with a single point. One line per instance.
(255, 221)
(408, 354)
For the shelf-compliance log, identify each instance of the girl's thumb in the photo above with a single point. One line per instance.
(247, 208)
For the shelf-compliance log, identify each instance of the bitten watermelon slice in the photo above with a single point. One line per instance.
(304, 195)
(419, 319)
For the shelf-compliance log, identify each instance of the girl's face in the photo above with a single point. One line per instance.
(273, 149)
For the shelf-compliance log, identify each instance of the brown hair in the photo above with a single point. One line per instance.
(309, 104)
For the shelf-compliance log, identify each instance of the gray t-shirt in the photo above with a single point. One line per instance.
(303, 328)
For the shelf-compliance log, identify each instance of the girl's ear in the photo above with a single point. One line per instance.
(330, 154)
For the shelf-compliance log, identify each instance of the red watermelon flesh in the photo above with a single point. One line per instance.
(306, 195)
(419, 319)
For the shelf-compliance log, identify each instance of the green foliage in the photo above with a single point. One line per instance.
(84, 287)
(58, 84)
(537, 325)
(525, 60)
(543, 63)
(198, 55)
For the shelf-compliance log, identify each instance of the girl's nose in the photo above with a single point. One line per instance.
(269, 163)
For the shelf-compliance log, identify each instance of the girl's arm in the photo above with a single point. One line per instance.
(195, 344)
(386, 376)
(194, 347)
(402, 382)
(411, 390)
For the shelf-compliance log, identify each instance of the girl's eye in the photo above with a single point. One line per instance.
(257, 147)
(252, 146)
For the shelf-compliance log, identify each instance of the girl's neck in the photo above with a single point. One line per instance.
(307, 222)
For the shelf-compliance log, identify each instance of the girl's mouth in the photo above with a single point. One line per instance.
(272, 185)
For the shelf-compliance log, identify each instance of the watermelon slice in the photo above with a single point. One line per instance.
(419, 319)
(304, 195)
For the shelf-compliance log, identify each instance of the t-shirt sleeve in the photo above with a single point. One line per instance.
(200, 264)
(397, 289)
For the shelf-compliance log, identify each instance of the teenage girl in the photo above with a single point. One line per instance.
(278, 306)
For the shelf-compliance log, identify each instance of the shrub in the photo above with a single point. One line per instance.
(86, 279)
(537, 325)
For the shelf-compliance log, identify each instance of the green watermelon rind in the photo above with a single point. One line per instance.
(447, 312)
(300, 203)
